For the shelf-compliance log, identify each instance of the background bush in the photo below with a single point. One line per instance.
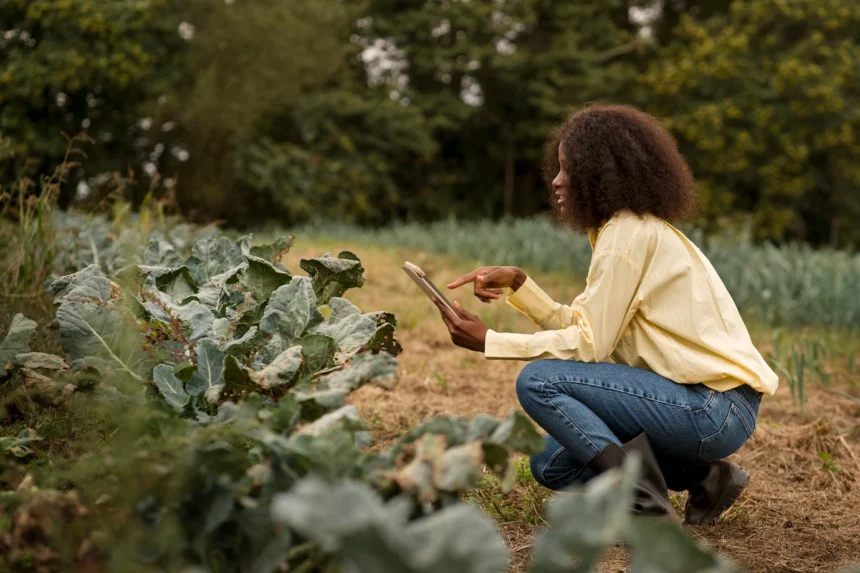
(382, 111)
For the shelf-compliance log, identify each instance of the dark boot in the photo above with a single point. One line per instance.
(715, 493)
(652, 497)
(681, 474)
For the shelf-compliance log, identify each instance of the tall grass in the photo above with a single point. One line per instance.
(27, 234)
(40, 241)
(791, 285)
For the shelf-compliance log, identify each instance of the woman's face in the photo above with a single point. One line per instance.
(559, 184)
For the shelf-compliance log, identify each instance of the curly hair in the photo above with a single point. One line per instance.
(618, 158)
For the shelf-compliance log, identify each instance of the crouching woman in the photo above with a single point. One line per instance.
(653, 356)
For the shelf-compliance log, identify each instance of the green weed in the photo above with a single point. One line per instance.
(525, 504)
(827, 462)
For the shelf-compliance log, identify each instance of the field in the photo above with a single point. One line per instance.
(801, 511)
(182, 399)
(212, 362)
(780, 286)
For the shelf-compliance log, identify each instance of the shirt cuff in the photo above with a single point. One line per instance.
(532, 301)
(507, 345)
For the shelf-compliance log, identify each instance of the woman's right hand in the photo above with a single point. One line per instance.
(490, 280)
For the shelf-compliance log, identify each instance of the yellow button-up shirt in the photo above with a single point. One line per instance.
(652, 301)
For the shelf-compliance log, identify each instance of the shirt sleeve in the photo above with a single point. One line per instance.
(533, 302)
(586, 330)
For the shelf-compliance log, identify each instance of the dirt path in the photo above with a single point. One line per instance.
(796, 515)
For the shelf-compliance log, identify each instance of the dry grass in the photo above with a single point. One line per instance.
(796, 515)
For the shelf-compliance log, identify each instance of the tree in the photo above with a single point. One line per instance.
(346, 153)
(764, 102)
(493, 79)
(246, 63)
(662, 16)
(74, 65)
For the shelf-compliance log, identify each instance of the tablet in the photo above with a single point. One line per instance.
(424, 283)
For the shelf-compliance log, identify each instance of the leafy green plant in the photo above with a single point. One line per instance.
(367, 533)
(827, 462)
(223, 378)
(797, 384)
(794, 373)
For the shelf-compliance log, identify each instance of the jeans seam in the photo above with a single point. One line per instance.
(746, 403)
(749, 430)
(586, 382)
(569, 421)
(723, 429)
(549, 462)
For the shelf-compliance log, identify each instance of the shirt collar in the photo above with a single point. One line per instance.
(593, 233)
(592, 237)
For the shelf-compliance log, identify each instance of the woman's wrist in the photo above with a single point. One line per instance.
(519, 279)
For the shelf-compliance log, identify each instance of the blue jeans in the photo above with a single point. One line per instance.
(584, 407)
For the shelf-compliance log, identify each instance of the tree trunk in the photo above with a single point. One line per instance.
(509, 179)
(834, 233)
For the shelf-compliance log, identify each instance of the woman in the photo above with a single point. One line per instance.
(653, 356)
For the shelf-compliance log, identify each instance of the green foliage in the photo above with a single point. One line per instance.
(332, 276)
(15, 353)
(527, 503)
(352, 522)
(762, 100)
(18, 446)
(574, 544)
(420, 110)
(67, 62)
(222, 393)
(250, 63)
(805, 359)
(30, 242)
(16, 343)
(247, 65)
(230, 441)
(828, 464)
(792, 285)
(347, 153)
(367, 533)
(492, 81)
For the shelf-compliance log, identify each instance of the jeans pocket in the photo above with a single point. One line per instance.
(707, 396)
(733, 434)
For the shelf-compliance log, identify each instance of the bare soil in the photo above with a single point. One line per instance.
(799, 513)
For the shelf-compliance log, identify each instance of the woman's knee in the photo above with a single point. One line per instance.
(530, 381)
(556, 469)
(536, 465)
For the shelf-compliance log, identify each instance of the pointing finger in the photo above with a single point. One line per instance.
(467, 278)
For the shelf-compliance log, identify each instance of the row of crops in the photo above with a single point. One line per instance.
(195, 418)
(781, 286)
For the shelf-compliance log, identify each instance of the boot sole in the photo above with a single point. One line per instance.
(730, 494)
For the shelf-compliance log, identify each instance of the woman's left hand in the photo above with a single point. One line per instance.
(468, 332)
